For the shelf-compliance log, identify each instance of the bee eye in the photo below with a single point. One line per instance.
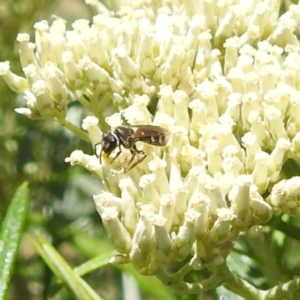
(109, 142)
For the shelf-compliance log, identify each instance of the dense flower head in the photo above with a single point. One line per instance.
(220, 76)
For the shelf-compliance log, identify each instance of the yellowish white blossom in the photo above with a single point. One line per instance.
(221, 76)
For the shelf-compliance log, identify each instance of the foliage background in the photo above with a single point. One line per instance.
(60, 197)
(61, 205)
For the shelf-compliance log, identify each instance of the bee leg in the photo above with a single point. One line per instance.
(134, 151)
(120, 151)
(100, 156)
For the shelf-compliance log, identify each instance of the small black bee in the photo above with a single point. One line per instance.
(127, 136)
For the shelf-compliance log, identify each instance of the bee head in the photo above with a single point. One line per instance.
(109, 143)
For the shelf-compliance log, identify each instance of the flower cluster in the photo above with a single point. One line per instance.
(222, 78)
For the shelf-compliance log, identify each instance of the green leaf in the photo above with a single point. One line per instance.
(94, 263)
(10, 235)
(89, 266)
(62, 270)
(149, 284)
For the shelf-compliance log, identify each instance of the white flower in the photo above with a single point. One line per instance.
(222, 78)
(285, 196)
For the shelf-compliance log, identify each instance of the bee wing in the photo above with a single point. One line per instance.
(150, 134)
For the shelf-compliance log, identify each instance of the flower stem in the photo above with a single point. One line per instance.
(238, 285)
(77, 131)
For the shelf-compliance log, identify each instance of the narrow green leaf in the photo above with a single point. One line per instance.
(62, 270)
(88, 267)
(11, 232)
(95, 263)
(149, 284)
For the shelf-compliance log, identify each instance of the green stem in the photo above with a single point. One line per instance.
(77, 131)
(96, 106)
(182, 272)
(238, 285)
(102, 105)
(84, 101)
(283, 291)
(181, 286)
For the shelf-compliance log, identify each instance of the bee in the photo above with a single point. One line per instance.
(127, 136)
